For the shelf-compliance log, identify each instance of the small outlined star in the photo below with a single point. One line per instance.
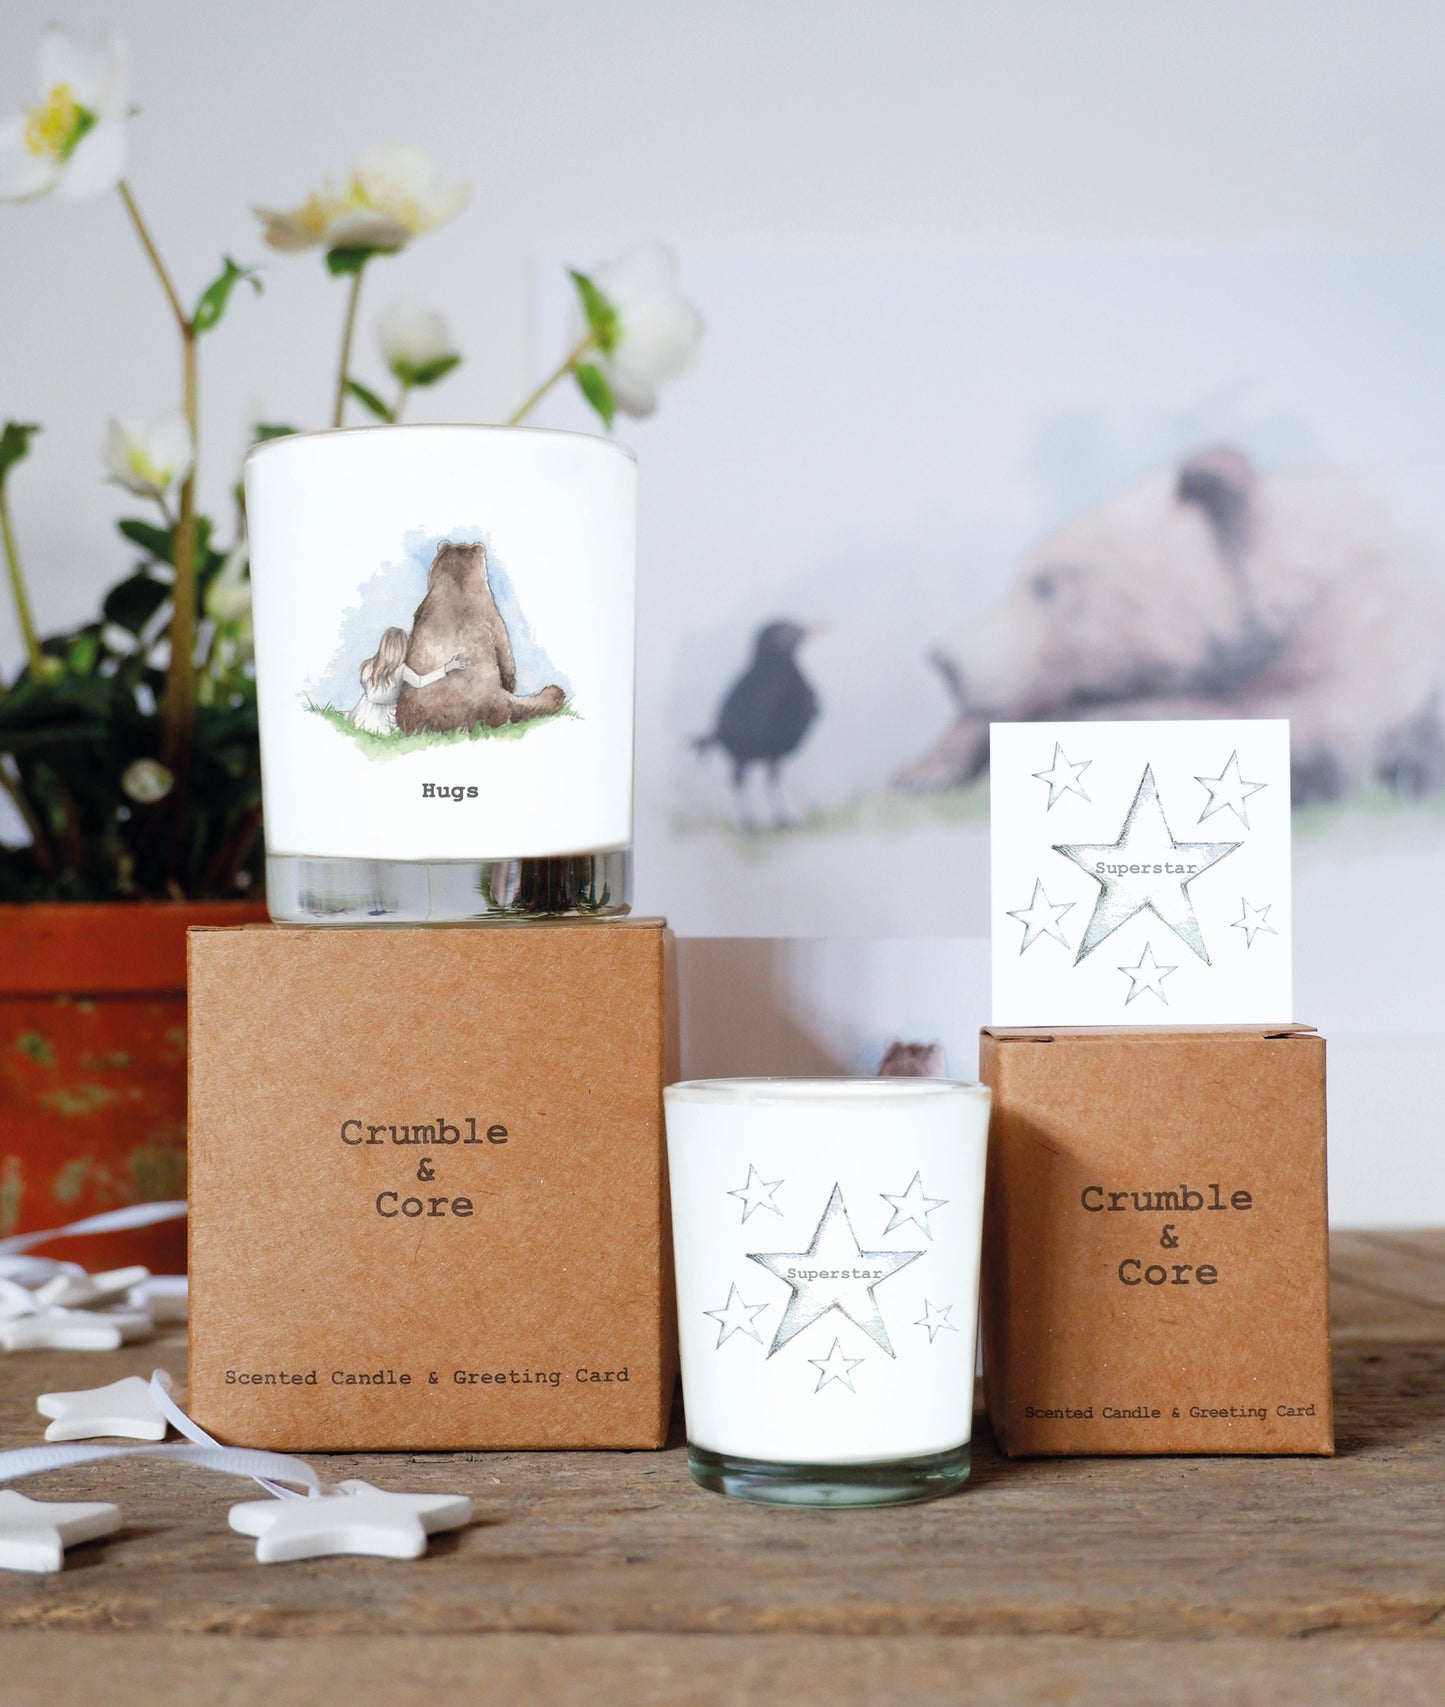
(757, 1193)
(1147, 975)
(835, 1367)
(1041, 917)
(735, 1317)
(1062, 777)
(1228, 789)
(935, 1319)
(912, 1205)
(1255, 919)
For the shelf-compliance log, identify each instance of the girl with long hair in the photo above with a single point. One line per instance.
(382, 679)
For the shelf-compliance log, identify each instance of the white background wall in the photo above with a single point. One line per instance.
(584, 126)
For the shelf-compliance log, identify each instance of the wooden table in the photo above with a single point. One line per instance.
(604, 1578)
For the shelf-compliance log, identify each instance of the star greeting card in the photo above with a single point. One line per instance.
(1141, 873)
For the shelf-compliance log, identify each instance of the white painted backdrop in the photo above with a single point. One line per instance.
(583, 126)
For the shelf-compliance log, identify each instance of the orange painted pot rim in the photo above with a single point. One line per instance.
(95, 948)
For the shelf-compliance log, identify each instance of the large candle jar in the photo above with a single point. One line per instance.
(826, 1235)
(444, 622)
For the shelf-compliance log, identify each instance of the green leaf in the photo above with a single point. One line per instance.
(15, 444)
(340, 262)
(157, 542)
(368, 398)
(263, 431)
(601, 315)
(80, 660)
(428, 373)
(598, 392)
(217, 294)
(133, 602)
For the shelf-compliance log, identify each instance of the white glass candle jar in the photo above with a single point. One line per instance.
(827, 1238)
(445, 657)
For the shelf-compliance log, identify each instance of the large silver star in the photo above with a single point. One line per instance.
(1146, 869)
(1062, 777)
(1229, 789)
(834, 1273)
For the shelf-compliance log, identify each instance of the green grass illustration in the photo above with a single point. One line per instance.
(394, 746)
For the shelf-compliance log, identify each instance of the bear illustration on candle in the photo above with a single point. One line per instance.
(453, 672)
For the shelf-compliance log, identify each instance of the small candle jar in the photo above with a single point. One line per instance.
(827, 1235)
(445, 660)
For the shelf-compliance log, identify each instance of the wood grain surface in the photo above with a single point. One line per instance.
(608, 1577)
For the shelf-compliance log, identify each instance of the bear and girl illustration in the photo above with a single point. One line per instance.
(455, 669)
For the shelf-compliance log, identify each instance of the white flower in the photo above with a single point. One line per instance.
(415, 343)
(147, 781)
(657, 332)
(390, 195)
(71, 143)
(149, 461)
(228, 598)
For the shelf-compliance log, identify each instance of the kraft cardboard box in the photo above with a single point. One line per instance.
(1155, 1265)
(428, 1189)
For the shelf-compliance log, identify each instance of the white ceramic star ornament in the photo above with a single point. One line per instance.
(35, 1533)
(736, 1317)
(75, 1330)
(85, 1291)
(354, 1518)
(1062, 777)
(1041, 917)
(124, 1408)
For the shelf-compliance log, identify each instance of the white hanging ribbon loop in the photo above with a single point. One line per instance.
(163, 1396)
(233, 1460)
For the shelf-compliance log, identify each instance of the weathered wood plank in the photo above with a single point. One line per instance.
(1387, 1286)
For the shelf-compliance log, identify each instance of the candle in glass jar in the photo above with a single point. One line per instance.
(445, 660)
(827, 1238)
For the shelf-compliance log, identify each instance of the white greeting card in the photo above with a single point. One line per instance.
(1141, 873)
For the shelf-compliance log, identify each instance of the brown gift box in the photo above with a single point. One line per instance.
(427, 1183)
(1155, 1265)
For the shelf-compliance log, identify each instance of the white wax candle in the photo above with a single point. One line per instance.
(827, 1239)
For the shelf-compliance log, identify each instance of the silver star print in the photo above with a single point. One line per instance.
(1255, 919)
(1145, 869)
(935, 1319)
(912, 1205)
(1041, 917)
(735, 1317)
(1062, 777)
(834, 1273)
(1228, 789)
(1147, 975)
(835, 1367)
(757, 1193)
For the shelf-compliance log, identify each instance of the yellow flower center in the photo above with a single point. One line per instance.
(55, 125)
(144, 469)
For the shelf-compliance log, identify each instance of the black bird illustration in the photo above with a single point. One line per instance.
(765, 715)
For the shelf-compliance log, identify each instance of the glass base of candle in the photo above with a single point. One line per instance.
(305, 891)
(897, 1482)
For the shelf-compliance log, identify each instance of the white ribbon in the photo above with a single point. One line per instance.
(108, 1221)
(271, 1470)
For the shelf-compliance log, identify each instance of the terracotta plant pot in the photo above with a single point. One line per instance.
(93, 1069)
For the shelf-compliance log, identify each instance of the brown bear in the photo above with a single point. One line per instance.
(1215, 590)
(459, 614)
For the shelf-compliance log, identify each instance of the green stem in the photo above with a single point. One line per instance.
(343, 372)
(34, 657)
(574, 356)
(178, 708)
(400, 403)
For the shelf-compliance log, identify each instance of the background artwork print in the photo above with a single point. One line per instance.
(1141, 873)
